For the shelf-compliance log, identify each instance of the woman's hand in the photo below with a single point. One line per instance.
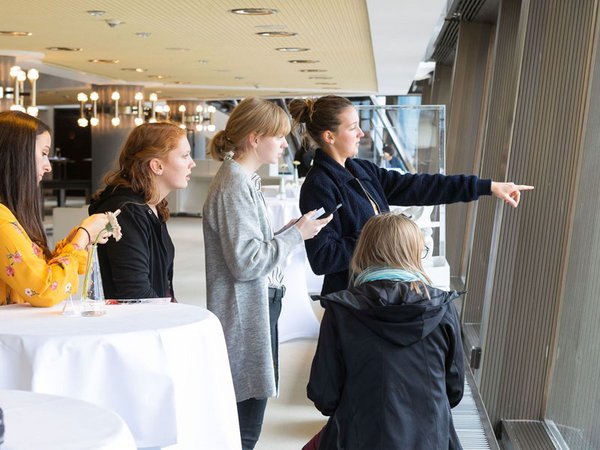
(509, 192)
(308, 227)
(96, 227)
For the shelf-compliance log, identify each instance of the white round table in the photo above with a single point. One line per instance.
(48, 422)
(162, 368)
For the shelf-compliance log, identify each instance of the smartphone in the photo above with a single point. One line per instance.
(321, 213)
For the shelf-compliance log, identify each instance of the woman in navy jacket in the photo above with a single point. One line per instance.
(389, 362)
(362, 188)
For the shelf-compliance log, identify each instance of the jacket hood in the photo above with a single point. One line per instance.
(112, 198)
(393, 311)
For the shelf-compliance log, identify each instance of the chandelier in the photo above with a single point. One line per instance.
(189, 115)
(17, 93)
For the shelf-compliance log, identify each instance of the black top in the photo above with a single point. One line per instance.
(356, 186)
(388, 368)
(140, 265)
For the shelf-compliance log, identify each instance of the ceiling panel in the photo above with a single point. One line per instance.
(219, 53)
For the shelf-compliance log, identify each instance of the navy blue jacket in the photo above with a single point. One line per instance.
(388, 368)
(328, 183)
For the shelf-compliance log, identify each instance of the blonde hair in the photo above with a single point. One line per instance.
(252, 115)
(390, 240)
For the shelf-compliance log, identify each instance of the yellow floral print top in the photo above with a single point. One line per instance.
(25, 274)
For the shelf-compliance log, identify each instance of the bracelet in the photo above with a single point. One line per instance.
(88, 234)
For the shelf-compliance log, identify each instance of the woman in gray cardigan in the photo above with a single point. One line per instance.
(243, 280)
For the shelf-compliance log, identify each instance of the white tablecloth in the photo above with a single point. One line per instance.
(162, 368)
(297, 318)
(47, 422)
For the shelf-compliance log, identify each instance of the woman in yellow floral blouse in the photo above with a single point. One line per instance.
(29, 271)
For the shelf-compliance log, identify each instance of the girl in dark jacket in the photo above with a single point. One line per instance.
(154, 161)
(363, 188)
(389, 362)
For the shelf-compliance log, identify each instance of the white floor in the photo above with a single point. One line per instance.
(290, 420)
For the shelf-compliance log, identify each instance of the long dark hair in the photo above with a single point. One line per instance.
(144, 143)
(19, 190)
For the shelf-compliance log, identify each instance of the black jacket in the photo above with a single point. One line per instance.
(140, 265)
(388, 368)
(328, 183)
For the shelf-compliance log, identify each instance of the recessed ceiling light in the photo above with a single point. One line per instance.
(104, 61)
(313, 70)
(320, 78)
(181, 82)
(95, 12)
(277, 33)
(303, 61)
(158, 77)
(292, 49)
(15, 33)
(134, 69)
(64, 49)
(254, 11)
(203, 61)
(143, 34)
(178, 49)
(113, 23)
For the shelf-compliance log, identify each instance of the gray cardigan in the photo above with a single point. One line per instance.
(240, 252)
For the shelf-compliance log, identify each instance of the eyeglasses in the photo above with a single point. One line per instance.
(425, 252)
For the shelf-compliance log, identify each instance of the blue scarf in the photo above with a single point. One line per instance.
(387, 273)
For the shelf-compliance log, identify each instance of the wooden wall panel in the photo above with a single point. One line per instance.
(465, 120)
(545, 149)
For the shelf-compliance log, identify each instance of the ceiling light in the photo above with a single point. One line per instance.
(277, 33)
(113, 22)
(143, 34)
(254, 11)
(153, 98)
(158, 77)
(15, 33)
(181, 82)
(292, 49)
(82, 98)
(104, 61)
(313, 70)
(303, 61)
(203, 61)
(64, 49)
(96, 13)
(134, 69)
(116, 121)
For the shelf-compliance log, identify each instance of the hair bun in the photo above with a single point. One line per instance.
(301, 110)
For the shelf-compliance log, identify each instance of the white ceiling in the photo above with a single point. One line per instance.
(362, 46)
